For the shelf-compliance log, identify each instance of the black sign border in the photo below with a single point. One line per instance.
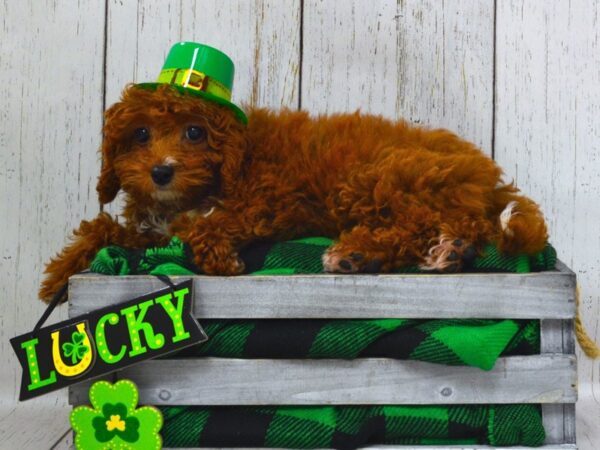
(197, 336)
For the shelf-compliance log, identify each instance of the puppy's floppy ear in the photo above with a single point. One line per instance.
(108, 183)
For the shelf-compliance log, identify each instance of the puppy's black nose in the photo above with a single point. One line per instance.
(162, 174)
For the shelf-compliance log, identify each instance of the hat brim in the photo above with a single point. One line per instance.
(205, 95)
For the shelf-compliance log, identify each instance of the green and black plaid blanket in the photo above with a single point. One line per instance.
(350, 427)
(458, 342)
(285, 258)
(469, 342)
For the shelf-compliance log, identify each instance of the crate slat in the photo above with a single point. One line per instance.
(549, 378)
(544, 295)
(223, 381)
(559, 419)
(553, 416)
(67, 444)
(570, 422)
(418, 447)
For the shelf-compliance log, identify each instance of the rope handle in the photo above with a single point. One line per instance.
(587, 344)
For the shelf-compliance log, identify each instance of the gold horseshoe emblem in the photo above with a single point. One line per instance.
(81, 366)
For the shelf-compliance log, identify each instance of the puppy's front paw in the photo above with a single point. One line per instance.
(217, 259)
(338, 259)
(211, 265)
(449, 255)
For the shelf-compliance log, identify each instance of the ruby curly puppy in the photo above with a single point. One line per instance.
(390, 193)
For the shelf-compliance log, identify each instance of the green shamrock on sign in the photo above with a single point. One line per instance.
(114, 422)
(76, 349)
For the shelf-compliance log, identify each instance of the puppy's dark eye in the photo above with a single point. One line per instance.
(141, 135)
(195, 133)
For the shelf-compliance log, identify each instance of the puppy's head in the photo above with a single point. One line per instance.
(165, 147)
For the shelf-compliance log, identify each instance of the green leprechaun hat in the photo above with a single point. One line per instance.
(202, 71)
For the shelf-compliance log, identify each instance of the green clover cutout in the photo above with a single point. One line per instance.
(114, 422)
(76, 349)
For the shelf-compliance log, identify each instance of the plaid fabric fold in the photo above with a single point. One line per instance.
(470, 342)
(350, 427)
(285, 258)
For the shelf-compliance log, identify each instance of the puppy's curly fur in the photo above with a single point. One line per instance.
(391, 194)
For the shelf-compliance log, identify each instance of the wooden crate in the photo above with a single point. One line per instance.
(549, 378)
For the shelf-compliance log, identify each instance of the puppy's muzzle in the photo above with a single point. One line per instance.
(162, 174)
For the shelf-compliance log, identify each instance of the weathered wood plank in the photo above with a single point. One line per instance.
(546, 121)
(422, 447)
(35, 425)
(537, 295)
(568, 336)
(224, 381)
(262, 37)
(551, 336)
(570, 428)
(547, 134)
(66, 443)
(553, 417)
(50, 118)
(430, 62)
(559, 419)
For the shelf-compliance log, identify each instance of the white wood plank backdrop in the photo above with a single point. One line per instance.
(547, 136)
(429, 61)
(520, 78)
(51, 67)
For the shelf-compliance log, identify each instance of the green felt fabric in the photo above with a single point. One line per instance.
(349, 427)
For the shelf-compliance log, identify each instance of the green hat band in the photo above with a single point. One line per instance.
(195, 80)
